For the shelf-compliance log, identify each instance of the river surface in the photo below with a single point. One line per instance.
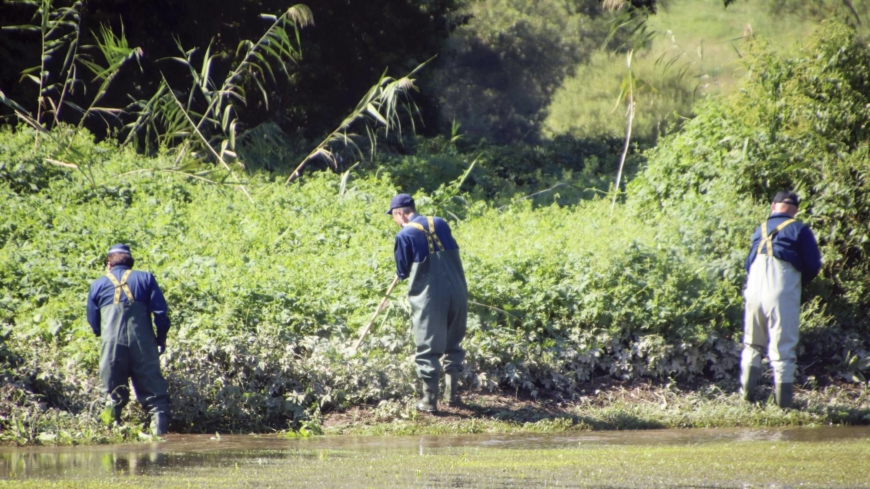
(788, 457)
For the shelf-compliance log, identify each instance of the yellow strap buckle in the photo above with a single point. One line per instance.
(434, 234)
(431, 237)
(766, 245)
(122, 285)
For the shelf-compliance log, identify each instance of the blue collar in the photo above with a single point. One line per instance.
(777, 215)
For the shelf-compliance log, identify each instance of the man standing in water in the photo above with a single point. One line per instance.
(428, 256)
(120, 305)
(784, 256)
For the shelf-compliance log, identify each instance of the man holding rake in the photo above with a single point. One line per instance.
(428, 256)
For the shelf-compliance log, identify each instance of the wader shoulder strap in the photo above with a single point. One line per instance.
(434, 234)
(431, 238)
(122, 285)
(766, 245)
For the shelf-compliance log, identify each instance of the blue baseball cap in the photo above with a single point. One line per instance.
(787, 197)
(119, 248)
(401, 200)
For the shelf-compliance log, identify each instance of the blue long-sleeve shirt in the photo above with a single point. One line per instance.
(144, 288)
(412, 247)
(795, 244)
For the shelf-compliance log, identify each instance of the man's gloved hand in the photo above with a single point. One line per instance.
(161, 348)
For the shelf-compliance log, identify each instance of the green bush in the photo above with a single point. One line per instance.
(564, 171)
(267, 297)
(796, 122)
(586, 104)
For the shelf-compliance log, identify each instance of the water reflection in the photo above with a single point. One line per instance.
(132, 464)
(80, 460)
(125, 460)
(180, 453)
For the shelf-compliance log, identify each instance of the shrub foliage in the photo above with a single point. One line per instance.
(797, 122)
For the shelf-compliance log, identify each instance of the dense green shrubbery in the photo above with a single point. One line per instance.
(573, 169)
(267, 297)
(799, 122)
(586, 104)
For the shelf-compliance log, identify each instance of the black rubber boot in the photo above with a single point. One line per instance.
(784, 394)
(429, 402)
(159, 424)
(451, 390)
(116, 416)
(748, 382)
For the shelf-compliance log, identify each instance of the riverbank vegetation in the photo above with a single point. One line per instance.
(610, 406)
(269, 281)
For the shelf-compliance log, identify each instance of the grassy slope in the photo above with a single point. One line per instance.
(703, 37)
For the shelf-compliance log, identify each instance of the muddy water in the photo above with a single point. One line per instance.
(664, 458)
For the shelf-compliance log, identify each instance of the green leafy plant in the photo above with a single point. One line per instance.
(854, 368)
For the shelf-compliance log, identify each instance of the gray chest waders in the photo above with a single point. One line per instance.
(128, 350)
(771, 320)
(438, 295)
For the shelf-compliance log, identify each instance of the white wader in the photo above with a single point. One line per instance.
(439, 303)
(772, 317)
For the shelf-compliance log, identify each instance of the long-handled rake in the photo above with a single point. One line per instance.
(377, 311)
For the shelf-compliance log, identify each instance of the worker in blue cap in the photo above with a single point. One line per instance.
(428, 256)
(120, 307)
(783, 256)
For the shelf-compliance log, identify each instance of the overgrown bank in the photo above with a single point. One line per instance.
(267, 300)
(610, 405)
(267, 296)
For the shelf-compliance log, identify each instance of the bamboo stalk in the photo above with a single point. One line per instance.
(207, 145)
(630, 117)
(62, 163)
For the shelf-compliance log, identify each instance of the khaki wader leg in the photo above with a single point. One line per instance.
(772, 323)
(754, 343)
(784, 333)
(148, 382)
(457, 320)
(457, 324)
(430, 341)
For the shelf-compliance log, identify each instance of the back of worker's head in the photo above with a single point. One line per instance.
(120, 254)
(404, 203)
(786, 202)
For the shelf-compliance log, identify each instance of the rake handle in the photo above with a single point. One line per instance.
(377, 311)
